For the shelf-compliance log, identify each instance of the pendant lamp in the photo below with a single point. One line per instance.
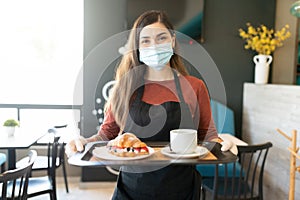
(295, 9)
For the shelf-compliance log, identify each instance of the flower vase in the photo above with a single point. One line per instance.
(10, 130)
(262, 68)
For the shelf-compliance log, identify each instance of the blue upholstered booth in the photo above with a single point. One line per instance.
(224, 121)
(223, 117)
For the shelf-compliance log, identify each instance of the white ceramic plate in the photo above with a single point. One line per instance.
(199, 152)
(102, 152)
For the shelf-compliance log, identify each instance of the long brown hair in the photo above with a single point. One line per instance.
(130, 72)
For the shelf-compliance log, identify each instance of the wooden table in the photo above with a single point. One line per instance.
(22, 139)
(215, 156)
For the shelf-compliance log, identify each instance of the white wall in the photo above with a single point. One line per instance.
(266, 108)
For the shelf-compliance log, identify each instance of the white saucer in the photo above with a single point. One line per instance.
(199, 152)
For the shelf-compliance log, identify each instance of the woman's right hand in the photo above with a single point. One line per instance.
(75, 145)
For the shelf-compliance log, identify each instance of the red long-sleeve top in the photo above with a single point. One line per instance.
(157, 92)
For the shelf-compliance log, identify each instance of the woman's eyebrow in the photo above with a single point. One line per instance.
(160, 34)
(143, 37)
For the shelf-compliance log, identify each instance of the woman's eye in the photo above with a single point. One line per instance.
(145, 41)
(162, 38)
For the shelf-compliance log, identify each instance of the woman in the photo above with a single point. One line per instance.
(154, 94)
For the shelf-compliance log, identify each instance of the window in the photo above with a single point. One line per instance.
(44, 119)
(41, 56)
(41, 51)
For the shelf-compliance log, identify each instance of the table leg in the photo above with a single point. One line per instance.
(11, 159)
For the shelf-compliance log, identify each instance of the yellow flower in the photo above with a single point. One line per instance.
(264, 40)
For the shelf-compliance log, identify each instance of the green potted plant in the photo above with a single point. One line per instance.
(10, 126)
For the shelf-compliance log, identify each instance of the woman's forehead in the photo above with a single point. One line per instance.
(153, 30)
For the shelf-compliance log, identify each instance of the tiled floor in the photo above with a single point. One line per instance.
(78, 190)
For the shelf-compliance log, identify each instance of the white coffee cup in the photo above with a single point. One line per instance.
(183, 141)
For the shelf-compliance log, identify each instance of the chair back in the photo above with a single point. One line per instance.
(60, 147)
(15, 182)
(253, 159)
(248, 184)
(52, 158)
(40, 185)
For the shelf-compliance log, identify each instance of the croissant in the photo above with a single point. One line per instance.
(127, 145)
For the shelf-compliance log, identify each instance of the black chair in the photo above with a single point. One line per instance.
(15, 182)
(46, 184)
(2, 162)
(43, 163)
(248, 184)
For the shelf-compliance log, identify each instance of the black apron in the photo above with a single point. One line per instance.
(165, 182)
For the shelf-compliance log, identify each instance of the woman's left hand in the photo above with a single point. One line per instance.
(229, 145)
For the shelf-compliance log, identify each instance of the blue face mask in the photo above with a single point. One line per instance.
(156, 56)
